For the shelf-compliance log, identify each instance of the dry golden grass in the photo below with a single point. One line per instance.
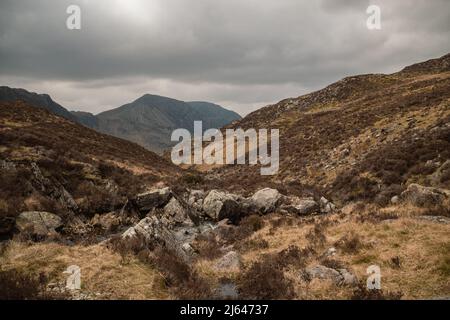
(104, 275)
(422, 248)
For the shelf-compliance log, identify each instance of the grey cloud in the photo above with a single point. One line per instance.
(243, 53)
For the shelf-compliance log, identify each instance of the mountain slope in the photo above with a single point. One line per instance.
(364, 137)
(147, 121)
(213, 115)
(8, 94)
(150, 120)
(48, 163)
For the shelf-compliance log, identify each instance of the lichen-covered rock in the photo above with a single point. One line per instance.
(175, 213)
(266, 200)
(38, 222)
(424, 196)
(219, 205)
(301, 206)
(338, 277)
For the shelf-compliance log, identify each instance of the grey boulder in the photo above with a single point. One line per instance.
(266, 200)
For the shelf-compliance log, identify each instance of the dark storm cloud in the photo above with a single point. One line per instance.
(239, 53)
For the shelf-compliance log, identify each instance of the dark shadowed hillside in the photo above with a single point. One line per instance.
(8, 94)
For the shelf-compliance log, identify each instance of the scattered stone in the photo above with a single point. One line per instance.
(38, 222)
(395, 199)
(330, 252)
(436, 219)
(339, 277)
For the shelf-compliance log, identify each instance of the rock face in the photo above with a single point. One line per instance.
(155, 198)
(266, 200)
(175, 213)
(301, 206)
(423, 196)
(38, 222)
(178, 239)
(220, 205)
(339, 277)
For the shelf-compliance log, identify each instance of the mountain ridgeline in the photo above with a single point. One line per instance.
(150, 120)
(147, 121)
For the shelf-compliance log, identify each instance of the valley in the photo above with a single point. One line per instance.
(363, 180)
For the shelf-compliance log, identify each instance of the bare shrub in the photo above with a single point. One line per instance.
(257, 243)
(207, 246)
(182, 280)
(350, 243)
(21, 285)
(265, 280)
(332, 263)
(316, 236)
(247, 226)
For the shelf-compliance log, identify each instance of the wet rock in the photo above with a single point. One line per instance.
(38, 222)
(266, 200)
(227, 291)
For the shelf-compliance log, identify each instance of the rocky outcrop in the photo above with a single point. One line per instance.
(266, 200)
(424, 196)
(38, 222)
(155, 198)
(154, 231)
(219, 205)
(54, 190)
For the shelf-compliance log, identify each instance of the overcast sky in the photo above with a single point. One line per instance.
(242, 54)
